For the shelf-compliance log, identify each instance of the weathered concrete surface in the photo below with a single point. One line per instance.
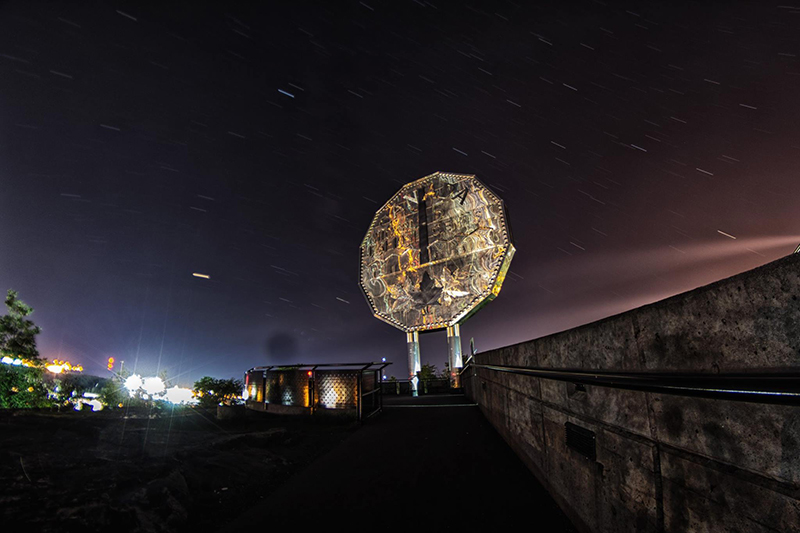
(664, 463)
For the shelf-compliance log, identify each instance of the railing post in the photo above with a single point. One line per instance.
(379, 379)
(359, 392)
(311, 391)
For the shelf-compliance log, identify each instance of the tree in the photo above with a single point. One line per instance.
(111, 393)
(204, 390)
(75, 385)
(428, 372)
(17, 333)
(446, 371)
(212, 391)
(20, 386)
(228, 389)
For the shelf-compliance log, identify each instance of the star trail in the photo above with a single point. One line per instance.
(185, 186)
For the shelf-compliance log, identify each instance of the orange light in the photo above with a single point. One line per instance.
(58, 366)
(310, 373)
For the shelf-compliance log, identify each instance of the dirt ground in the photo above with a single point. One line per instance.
(139, 471)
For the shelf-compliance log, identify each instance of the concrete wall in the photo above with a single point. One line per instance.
(664, 463)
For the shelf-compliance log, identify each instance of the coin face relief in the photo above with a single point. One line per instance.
(435, 252)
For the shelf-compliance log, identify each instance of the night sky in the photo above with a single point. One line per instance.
(139, 145)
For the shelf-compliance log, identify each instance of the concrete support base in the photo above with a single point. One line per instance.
(414, 365)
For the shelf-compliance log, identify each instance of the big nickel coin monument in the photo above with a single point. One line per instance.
(434, 254)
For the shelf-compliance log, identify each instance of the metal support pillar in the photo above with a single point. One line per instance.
(454, 352)
(414, 366)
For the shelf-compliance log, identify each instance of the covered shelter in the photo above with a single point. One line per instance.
(343, 389)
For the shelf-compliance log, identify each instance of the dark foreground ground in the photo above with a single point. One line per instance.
(423, 464)
(120, 472)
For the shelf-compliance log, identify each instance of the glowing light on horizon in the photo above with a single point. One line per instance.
(133, 383)
(58, 367)
(15, 361)
(153, 388)
(153, 385)
(95, 404)
(178, 395)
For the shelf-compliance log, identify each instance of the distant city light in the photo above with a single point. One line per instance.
(56, 366)
(198, 275)
(153, 388)
(178, 395)
(133, 383)
(153, 385)
(95, 404)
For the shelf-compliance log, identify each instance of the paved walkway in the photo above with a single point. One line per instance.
(425, 463)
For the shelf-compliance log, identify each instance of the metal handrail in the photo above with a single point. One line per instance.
(770, 388)
(364, 366)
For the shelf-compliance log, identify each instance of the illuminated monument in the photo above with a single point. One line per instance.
(436, 252)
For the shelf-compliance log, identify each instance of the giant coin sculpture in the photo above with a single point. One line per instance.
(436, 252)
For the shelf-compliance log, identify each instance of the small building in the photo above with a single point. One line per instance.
(340, 389)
